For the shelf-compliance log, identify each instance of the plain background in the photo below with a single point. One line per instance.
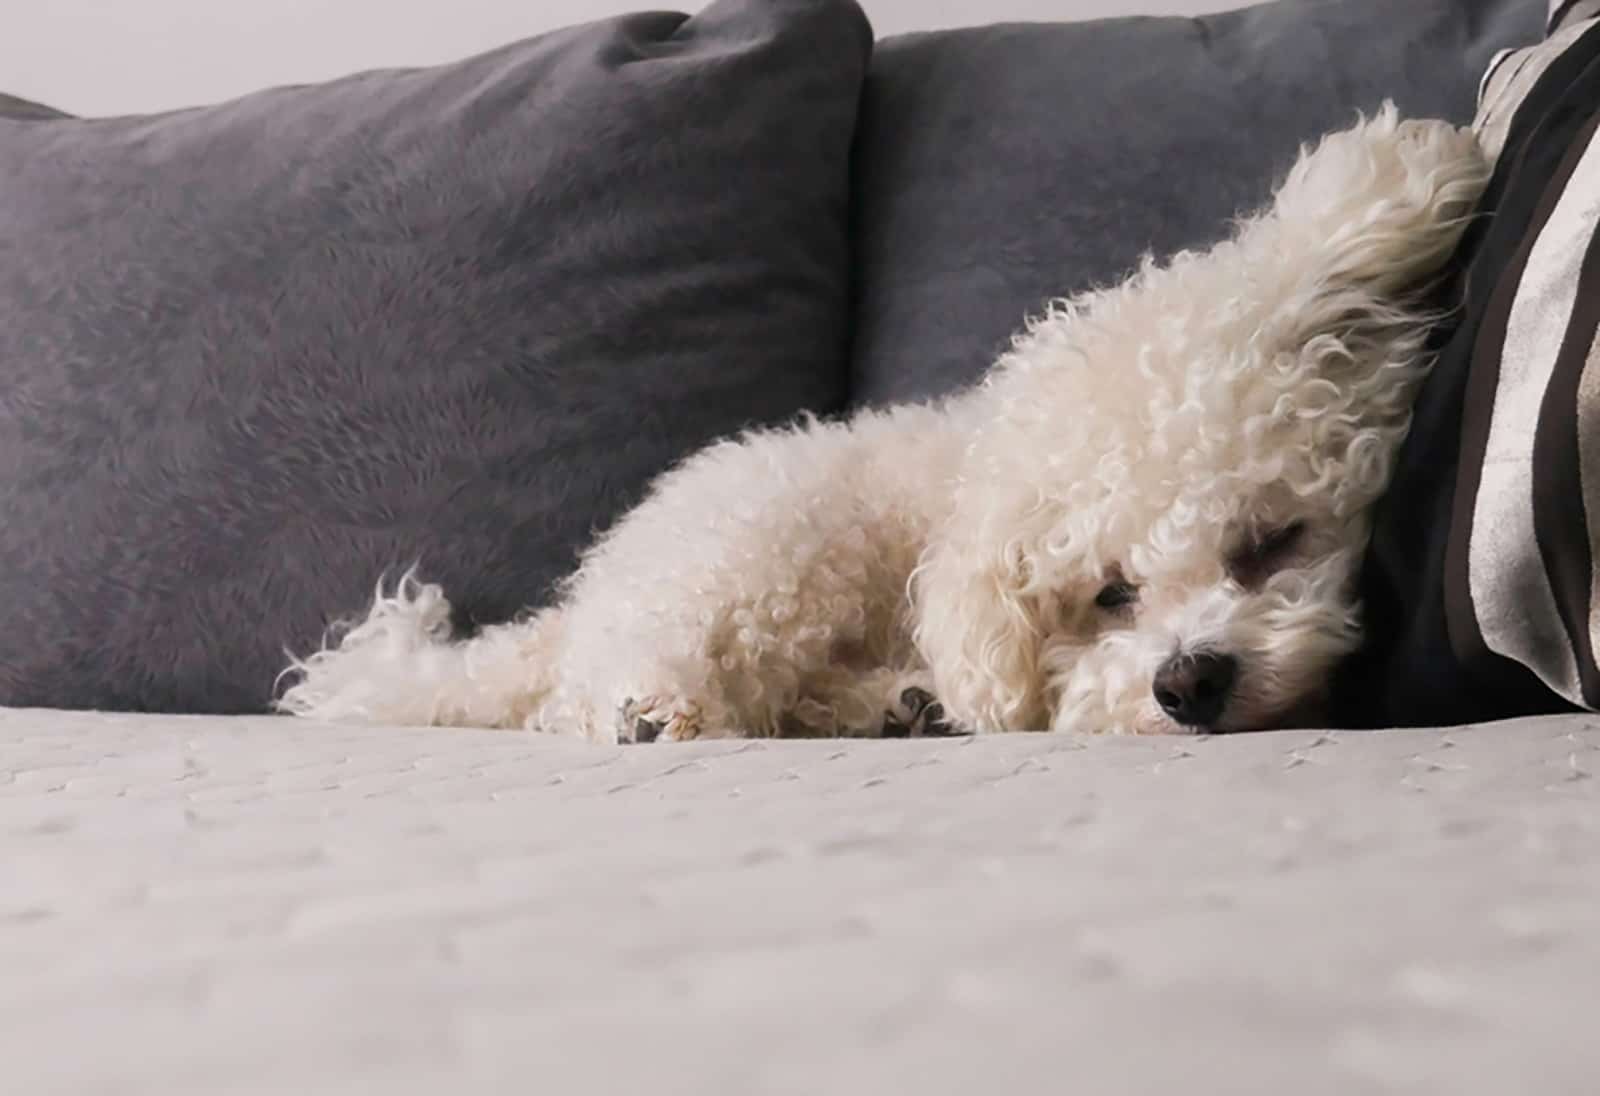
(99, 57)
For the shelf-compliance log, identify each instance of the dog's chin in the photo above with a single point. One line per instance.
(1152, 720)
(1278, 709)
(1139, 720)
(1260, 702)
(1255, 714)
(1298, 714)
(1289, 715)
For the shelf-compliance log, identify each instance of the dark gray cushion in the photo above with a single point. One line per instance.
(256, 353)
(24, 109)
(1001, 166)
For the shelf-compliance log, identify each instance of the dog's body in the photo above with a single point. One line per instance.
(759, 589)
(1147, 518)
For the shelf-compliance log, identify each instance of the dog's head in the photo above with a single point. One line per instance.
(1139, 547)
(1226, 614)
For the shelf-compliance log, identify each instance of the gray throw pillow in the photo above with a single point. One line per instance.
(1000, 166)
(257, 353)
(22, 109)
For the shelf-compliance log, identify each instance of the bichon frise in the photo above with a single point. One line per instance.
(1147, 518)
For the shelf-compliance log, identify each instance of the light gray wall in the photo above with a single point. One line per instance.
(130, 56)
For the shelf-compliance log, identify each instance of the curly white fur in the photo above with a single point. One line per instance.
(1197, 448)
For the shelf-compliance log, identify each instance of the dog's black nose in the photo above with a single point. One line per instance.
(1193, 689)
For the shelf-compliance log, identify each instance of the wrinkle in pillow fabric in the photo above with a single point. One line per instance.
(1001, 166)
(256, 354)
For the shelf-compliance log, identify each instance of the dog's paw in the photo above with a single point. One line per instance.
(655, 720)
(918, 715)
(642, 731)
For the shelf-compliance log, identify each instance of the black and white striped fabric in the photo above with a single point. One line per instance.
(1565, 13)
(1482, 586)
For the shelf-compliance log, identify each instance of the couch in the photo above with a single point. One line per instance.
(261, 351)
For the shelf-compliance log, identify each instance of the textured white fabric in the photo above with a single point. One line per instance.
(204, 906)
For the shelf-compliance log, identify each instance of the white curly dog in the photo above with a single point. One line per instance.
(1147, 518)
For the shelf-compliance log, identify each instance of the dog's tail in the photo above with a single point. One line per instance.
(400, 666)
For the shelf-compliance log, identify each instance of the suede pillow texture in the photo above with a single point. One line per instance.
(1000, 166)
(257, 353)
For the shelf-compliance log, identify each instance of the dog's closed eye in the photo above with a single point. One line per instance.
(1264, 554)
(1116, 595)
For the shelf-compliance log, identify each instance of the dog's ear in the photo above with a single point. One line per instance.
(978, 624)
(1378, 206)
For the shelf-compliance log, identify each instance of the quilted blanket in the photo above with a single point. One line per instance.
(195, 905)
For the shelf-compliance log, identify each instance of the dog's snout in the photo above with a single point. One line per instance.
(1193, 689)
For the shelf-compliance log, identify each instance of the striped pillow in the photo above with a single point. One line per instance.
(1483, 598)
(1565, 13)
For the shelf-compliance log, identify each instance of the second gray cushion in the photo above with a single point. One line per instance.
(1001, 166)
